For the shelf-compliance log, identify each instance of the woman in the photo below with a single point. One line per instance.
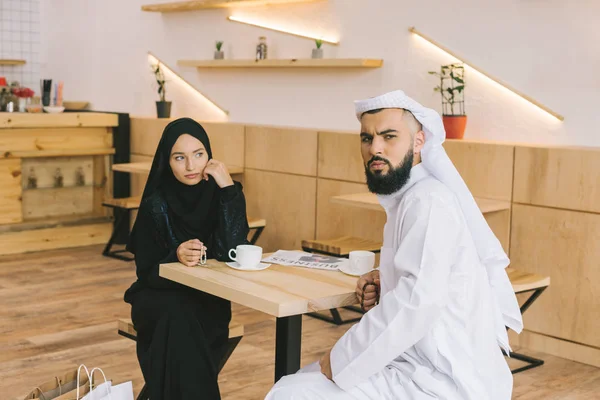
(190, 206)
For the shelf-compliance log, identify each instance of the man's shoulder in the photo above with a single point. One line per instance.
(430, 189)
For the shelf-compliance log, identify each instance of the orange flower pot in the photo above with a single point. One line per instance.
(455, 126)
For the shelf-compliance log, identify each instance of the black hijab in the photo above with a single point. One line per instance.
(192, 209)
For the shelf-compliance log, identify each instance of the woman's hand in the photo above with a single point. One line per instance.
(370, 283)
(189, 253)
(219, 172)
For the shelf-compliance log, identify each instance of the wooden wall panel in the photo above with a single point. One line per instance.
(563, 245)
(40, 139)
(138, 181)
(499, 222)
(10, 192)
(281, 150)
(287, 202)
(560, 348)
(103, 184)
(53, 202)
(227, 142)
(54, 238)
(487, 168)
(340, 156)
(558, 177)
(44, 170)
(334, 220)
(145, 134)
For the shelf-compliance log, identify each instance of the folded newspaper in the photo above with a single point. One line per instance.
(307, 260)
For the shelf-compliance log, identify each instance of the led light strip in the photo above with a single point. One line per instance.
(172, 74)
(247, 21)
(479, 70)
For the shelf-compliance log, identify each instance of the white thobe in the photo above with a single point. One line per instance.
(433, 333)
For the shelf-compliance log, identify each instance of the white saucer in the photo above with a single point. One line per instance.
(259, 267)
(346, 270)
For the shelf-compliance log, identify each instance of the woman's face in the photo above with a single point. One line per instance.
(188, 159)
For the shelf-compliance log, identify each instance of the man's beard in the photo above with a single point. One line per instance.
(394, 180)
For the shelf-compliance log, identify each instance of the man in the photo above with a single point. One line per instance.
(445, 298)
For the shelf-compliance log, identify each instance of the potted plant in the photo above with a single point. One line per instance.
(163, 107)
(452, 89)
(219, 55)
(318, 52)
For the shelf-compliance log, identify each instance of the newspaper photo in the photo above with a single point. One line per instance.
(307, 260)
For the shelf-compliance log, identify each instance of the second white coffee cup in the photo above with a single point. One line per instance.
(361, 261)
(246, 255)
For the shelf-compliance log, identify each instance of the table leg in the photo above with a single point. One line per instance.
(288, 339)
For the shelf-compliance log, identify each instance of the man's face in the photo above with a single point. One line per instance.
(387, 147)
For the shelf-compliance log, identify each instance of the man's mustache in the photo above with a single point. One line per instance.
(380, 159)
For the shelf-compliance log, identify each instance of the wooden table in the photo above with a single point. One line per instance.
(369, 201)
(283, 292)
(144, 168)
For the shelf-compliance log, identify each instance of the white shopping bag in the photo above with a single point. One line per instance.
(105, 390)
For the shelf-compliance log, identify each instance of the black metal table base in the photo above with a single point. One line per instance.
(121, 218)
(288, 344)
(532, 362)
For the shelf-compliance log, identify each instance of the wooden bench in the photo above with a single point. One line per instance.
(127, 204)
(527, 282)
(339, 247)
(236, 332)
(123, 207)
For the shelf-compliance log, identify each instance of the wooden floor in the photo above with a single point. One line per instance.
(59, 309)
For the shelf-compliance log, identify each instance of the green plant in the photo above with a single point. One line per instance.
(319, 43)
(160, 80)
(451, 87)
(219, 45)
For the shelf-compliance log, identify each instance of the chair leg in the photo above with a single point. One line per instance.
(532, 298)
(107, 249)
(532, 362)
(256, 235)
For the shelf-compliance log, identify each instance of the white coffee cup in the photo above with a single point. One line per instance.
(246, 255)
(361, 261)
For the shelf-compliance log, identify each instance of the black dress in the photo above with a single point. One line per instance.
(182, 333)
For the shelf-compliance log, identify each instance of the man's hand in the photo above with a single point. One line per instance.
(368, 299)
(219, 171)
(188, 253)
(325, 363)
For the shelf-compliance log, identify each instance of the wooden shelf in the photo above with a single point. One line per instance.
(208, 4)
(286, 63)
(11, 62)
(60, 120)
(58, 153)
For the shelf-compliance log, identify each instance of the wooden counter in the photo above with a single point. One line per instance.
(43, 203)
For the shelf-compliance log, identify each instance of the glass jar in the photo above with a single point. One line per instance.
(261, 48)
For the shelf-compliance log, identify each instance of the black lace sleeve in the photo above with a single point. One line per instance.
(232, 228)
